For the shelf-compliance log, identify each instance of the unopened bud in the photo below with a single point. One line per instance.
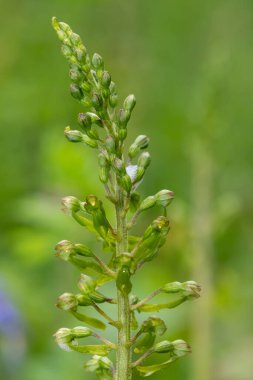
(97, 61)
(106, 79)
(76, 91)
(129, 103)
(134, 201)
(144, 160)
(163, 347)
(103, 168)
(75, 74)
(110, 144)
(85, 87)
(67, 302)
(66, 51)
(97, 101)
(65, 249)
(86, 284)
(147, 203)
(75, 39)
(126, 183)
(82, 250)
(90, 141)
(181, 347)
(164, 197)
(123, 117)
(80, 53)
(188, 289)
(84, 120)
(70, 204)
(65, 27)
(63, 338)
(141, 142)
(73, 135)
(113, 100)
(81, 332)
(119, 165)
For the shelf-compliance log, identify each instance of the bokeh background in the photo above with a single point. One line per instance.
(189, 64)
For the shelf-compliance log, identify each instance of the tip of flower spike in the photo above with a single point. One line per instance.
(55, 23)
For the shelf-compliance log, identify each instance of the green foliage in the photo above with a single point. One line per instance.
(104, 127)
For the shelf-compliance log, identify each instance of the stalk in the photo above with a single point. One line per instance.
(123, 353)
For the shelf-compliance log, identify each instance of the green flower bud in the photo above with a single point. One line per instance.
(86, 102)
(164, 197)
(145, 343)
(113, 100)
(147, 203)
(106, 79)
(86, 284)
(70, 204)
(126, 183)
(188, 289)
(97, 101)
(119, 166)
(110, 144)
(75, 74)
(66, 51)
(73, 135)
(134, 201)
(112, 88)
(123, 117)
(144, 160)
(83, 299)
(181, 347)
(141, 142)
(97, 61)
(67, 302)
(84, 120)
(129, 103)
(95, 119)
(82, 250)
(76, 91)
(85, 87)
(63, 338)
(81, 332)
(123, 282)
(139, 174)
(122, 134)
(153, 239)
(80, 53)
(90, 142)
(102, 366)
(65, 27)
(97, 297)
(103, 168)
(64, 249)
(163, 347)
(75, 39)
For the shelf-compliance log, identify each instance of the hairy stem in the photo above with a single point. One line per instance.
(123, 370)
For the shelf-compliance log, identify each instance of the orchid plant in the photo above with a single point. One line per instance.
(103, 127)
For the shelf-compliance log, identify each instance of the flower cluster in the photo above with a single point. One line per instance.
(103, 126)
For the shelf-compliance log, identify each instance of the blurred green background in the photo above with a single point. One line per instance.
(189, 63)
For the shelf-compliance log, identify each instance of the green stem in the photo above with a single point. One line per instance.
(146, 299)
(123, 369)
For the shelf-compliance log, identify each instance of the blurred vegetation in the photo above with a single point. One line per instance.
(190, 67)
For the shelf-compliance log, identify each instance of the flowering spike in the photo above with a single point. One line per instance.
(104, 127)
